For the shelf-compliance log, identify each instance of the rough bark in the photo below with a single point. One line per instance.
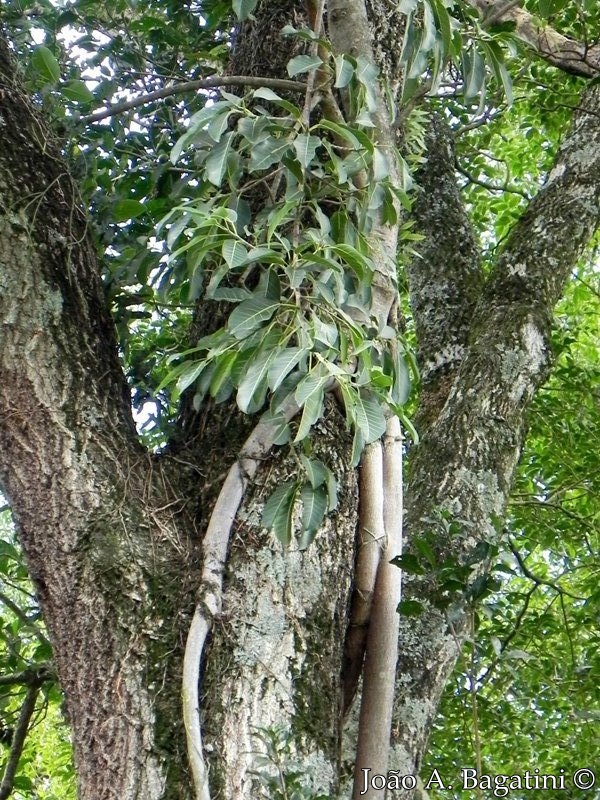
(96, 521)
(569, 55)
(105, 528)
(462, 471)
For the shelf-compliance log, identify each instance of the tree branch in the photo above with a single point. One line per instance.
(442, 301)
(33, 676)
(371, 536)
(22, 616)
(463, 467)
(18, 742)
(567, 54)
(350, 34)
(213, 82)
(372, 751)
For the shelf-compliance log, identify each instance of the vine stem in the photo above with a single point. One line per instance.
(379, 671)
(210, 592)
(371, 535)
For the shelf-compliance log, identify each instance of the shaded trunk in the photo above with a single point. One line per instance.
(100, 524)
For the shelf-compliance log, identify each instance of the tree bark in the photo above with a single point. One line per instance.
(110, 533)
(100, 523)
(462, 471)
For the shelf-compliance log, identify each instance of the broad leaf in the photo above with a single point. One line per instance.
(278, 510)
(249, 316)
(303, 63)
(45, 65)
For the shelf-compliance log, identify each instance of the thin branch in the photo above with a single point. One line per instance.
(491, 187)
(29, 677)
(18, 742)
(215, 546)
(22, 616)
(537, 580)
(214, 82)
(518, 621)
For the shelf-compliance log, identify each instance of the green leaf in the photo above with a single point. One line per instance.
(278, 510)
(253, 385)
(362, 265)
(249, 315)
(306, 148)
(409, 563)
(215, 165)
(234, 252)
(547, 8)
(303, 63)
(222, 373)
(314, 507)
(281, 429)
(310, 393)
(316, 471)
(344, 71)
(268, 152)
(402, 383)
(358, 445)
(218, 125)
(190, 373)
(409, 608)
(243, 8)
(77, 91)
(312, 384)
(264, 93)
(369, 418)
(473, 66)
(127, 209)
(283, 363)
(380, 166)
(45, 65)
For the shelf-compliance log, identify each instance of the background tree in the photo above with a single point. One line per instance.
(263, 246)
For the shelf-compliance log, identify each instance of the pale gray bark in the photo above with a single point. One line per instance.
(463, 468)
(95, 521)
(108, 539)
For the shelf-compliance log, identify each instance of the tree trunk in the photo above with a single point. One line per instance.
(111, 533)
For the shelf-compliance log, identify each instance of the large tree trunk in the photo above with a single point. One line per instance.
(110, 532)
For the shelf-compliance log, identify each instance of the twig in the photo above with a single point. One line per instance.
(22, 616)
(540, 581)
(18, 741)
(28, 677)
(310, 82)
(214, 82)
(517, 624)
(491, 187)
